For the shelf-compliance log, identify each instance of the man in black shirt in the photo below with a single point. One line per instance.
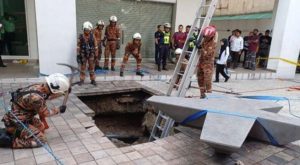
(264, 48)
(157, 35)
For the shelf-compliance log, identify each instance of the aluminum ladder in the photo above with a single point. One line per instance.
(164, 123)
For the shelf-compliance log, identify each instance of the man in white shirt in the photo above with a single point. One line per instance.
(236, 47)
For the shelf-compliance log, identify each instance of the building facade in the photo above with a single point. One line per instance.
(52, 26)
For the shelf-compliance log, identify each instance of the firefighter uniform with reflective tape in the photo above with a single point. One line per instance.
(26, 103)
(206, 61)
(134, 50)
(112, 35)
(98, 53)
(87, 46)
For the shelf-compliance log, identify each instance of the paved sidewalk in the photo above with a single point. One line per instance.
(75, 139)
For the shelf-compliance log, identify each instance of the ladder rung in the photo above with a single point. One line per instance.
(159, 127)
(155, 137)
(205, 6)
(184, 62)
(164, 116)
(181, 74)
(201, 17)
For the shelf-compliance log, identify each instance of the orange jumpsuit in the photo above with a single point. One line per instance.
(206, 65)
(112, 35)
(135, 50)
(25, 108)
(98, 53)
(87, 47)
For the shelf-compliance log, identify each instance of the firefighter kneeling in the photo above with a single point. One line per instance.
(26, 103)
(133, 48)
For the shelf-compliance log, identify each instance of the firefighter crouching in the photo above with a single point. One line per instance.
(133, 48)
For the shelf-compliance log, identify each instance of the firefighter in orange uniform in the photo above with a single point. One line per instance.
(98, 37)
(206, 62)
(86, 49)
(133, 48)
(112, 37)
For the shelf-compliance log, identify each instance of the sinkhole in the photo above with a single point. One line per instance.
(124, 117)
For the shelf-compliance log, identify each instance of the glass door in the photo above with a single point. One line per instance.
(13, 18)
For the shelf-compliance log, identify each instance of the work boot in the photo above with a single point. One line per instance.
(113, 68)
(93, 82)
(158, 68)
(121, 74)
(165, 68)
(106, 68)
(3, 65)
(203, 96)
(80, 82)
(5, 139)
(139, 73)
(98, 68)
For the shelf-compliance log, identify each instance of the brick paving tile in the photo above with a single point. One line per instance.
(120, 158)
(99, 154)
(85, 157)
(106, 161)
(134, 155)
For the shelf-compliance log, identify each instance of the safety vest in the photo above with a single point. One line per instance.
(167, 37)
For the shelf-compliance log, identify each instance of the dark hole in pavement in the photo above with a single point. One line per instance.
(125, 118)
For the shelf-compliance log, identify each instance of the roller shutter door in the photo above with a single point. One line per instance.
(133, 16)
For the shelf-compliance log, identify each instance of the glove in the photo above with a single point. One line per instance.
(79, 59)
(103, 43)
(118, 44)
(62, 109)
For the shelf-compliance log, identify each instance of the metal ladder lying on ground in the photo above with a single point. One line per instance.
(163, 123)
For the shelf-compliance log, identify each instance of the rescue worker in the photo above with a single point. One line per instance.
(133, 48)
(86, 49)
(178, 51)
(206, 51)
(98, 36)
(165, 45)
(112, 35)
(28, 102)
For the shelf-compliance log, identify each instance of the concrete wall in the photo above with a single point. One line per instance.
(185, 12)
(56, 29)
(31, 29)
(234, 7)
(286, 40)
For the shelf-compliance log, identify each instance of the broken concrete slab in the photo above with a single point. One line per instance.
(224, 115)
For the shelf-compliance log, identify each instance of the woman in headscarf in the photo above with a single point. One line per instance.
(222, 60)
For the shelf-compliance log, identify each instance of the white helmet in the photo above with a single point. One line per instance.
(87, 25)
(137, 36)
(58, 83)
(167, 25)
(178, 51)
(100, 22)
(113, 18)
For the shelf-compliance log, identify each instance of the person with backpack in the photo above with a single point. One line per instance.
(28, 102)
(222, 60)
(133, 48)
(86, 48)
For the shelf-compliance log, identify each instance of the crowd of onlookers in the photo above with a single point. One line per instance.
(254, 47)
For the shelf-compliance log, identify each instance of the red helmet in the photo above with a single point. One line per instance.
(209, 31)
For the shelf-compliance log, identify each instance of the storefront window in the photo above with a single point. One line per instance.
(12, 16)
